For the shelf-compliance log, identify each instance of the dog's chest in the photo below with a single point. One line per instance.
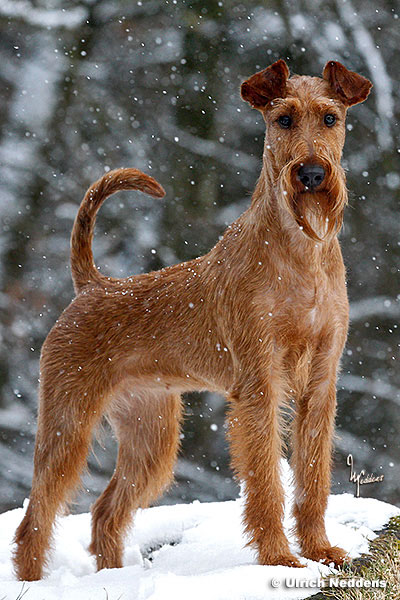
(305, 308)
(304, 313)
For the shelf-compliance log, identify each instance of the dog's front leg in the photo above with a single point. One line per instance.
(256, 448)
(312, 449)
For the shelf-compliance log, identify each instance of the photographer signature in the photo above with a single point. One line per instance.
(361, 478)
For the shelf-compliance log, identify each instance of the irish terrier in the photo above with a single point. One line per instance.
(262, 318)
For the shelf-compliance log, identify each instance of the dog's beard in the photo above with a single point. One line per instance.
(319, 214)
(316, 214)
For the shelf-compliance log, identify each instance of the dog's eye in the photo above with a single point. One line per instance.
(285, 121)
(329, 120)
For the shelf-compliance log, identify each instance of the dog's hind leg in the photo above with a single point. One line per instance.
(147, 426)
(67, 417)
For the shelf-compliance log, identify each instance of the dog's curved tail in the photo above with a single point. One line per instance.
(84, 271)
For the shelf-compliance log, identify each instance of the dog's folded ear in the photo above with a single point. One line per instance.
(264, 86)
(349, 86)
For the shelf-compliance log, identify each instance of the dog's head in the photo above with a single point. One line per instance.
(305, 133)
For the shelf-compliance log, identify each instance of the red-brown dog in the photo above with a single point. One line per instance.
(261, 318)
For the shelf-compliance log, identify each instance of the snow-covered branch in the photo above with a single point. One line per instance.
(374, 387)
(366, 45)
(208, 148)
(21, 9)
(376, 306)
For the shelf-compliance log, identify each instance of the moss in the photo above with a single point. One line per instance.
(382, 563)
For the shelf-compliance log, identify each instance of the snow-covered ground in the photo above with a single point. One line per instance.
(185, 551)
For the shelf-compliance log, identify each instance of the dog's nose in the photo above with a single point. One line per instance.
(311, 176)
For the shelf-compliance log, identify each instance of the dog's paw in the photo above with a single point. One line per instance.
(286, 560)
(327, 555)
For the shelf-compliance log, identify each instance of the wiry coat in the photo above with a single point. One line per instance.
(262, 318)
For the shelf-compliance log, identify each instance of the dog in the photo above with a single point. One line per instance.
(262, 319)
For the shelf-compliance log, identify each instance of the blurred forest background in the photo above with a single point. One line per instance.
(88, 86)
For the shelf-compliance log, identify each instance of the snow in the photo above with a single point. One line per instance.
(185, 551)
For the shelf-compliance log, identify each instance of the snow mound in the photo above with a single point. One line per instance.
(194, 551)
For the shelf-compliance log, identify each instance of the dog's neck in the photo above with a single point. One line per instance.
(266, 240)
